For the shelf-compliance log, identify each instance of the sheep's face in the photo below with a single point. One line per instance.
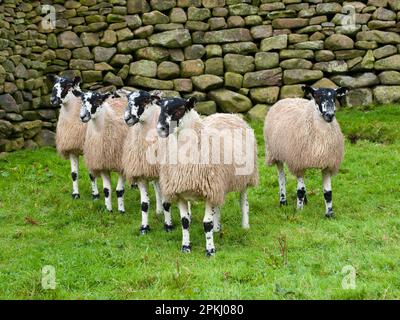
(91, 103)
(325, 100)
(137, 104)
(172, 112)
(63, 88)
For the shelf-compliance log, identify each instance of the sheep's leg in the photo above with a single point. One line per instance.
(120, 193)
(217, 219)
(144, 198)
(95, 191)
(159, 200)
(189, 205)
(208, 229)
(74, 175)
(244, 204)
(282, 184)
(183, 209)
(326, 181)
(107, 190)
(301, 193)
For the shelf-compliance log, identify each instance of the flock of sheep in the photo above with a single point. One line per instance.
(116, 132)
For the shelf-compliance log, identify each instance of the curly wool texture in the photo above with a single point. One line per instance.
(212, 181)
(296, 134)
(141, 139)
(71, 131)
(105, 137)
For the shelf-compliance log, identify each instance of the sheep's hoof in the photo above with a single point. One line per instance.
(144, 229)
(329, 214)
(187, 249)
(109, 210)
(168, 227)
(283, 203)
(121, 211)
(210, 253)
(305, 201)
(134, 186)
(75, 196)
(95, 196)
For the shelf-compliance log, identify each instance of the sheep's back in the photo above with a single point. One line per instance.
(212, 181)
(296, 135)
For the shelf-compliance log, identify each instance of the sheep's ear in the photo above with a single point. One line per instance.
(308, 90)
(105, 96)
(341, 92)
(191, 103)
(52, 78)
(76, 81)
(155, 98)
(116, 94)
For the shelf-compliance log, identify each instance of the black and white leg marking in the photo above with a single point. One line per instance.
(217, 219)
(95, 191)
(208, 223)
(144, 199)
(327, 187)
(282, 184)
(107, 190)
(301, 193)
(168, 226)
(185, 220)
(74, 175)
(120, 193)
(244, 204)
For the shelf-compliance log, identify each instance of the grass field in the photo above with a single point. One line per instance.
(285, 255)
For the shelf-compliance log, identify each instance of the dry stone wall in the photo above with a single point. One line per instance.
(233, 55)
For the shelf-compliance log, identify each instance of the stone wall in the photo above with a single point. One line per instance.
(233, 55)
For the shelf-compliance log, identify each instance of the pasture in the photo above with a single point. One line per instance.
(286, 254)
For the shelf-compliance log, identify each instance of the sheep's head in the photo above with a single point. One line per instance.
(63, 88)
(325, 100)
(91, 102)
(172, 112)
(137, 103)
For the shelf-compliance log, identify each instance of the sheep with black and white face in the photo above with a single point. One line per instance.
(105, 136)
(214, 156)
(70, 132)
(305, 134)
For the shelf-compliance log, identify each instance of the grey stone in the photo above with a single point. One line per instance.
(171, 39)
(230, 101)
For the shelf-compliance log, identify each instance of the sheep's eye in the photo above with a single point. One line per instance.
(178, 113)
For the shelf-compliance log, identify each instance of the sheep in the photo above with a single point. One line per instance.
(70, 132)
(305, 134)
(105, 135)
(141, 116)
(202, 172)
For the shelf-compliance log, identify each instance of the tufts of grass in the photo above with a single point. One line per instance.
(285, 255)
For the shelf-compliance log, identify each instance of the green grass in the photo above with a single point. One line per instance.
(98, 255)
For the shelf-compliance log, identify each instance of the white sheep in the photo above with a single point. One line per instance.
(105, 135)
(142, 115)
(70, 132)
(205, 159)
(305, 134)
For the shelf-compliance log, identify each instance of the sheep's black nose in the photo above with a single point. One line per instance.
(328, 117)
(55, 101)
